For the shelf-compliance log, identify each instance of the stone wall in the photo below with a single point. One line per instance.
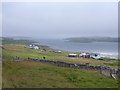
(107, 71)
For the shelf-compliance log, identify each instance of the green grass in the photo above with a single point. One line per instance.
(39, 75)
(29, 74)
(113, 64)
(12, 50)
(0, 76)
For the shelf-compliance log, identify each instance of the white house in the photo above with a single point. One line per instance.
(33, 47)
(30, 46)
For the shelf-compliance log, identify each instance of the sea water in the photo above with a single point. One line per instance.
(107, 49)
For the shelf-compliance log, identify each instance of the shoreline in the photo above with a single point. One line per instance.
(36, 42)
(104, 55)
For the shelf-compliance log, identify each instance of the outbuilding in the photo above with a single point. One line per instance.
(33, 47)
(84, 55)
(58, 51)
(73, 55)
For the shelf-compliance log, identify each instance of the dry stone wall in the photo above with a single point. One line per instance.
(108, 71)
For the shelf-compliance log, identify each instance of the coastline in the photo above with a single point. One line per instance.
(104, 55)
(44, 45)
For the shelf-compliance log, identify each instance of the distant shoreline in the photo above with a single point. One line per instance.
(92, 39)
(38, 43)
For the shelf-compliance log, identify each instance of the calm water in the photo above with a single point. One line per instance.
(109, 49)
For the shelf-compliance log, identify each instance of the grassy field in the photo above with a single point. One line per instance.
(12, 50)
(0, 76)
(0, 68)
(29, 74)
(39, 75)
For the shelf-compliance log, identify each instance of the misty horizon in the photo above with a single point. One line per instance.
(60, 20)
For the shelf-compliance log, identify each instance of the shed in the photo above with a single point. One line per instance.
(58, 51)
(72, 55)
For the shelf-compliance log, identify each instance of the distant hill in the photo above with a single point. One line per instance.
(9, 40)
(92, 39)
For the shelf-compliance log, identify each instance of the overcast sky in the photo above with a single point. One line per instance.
(60, 20)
